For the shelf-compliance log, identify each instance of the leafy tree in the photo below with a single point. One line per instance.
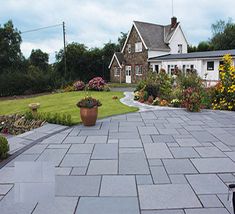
(223, 35)
(121, 40)
(192, 48)
(10, 41)
(39, 59)
(203, 46)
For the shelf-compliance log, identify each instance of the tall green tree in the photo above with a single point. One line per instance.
(39, 59)
(121, 40)
(223, 35)
(203, 46)
(10, 54)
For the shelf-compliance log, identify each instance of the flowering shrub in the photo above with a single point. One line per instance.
(96, 84)
(163, 103)
(88, 102)
(4, 147)
(79, 85)
(175, 103)
(225, 90)
(192, 99)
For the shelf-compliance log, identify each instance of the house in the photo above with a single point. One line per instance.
(153, 47)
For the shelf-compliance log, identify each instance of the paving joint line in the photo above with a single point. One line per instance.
(25, 148)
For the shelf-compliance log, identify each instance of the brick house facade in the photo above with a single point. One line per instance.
(144, 40)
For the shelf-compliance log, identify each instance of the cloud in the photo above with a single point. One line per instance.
(95, 22)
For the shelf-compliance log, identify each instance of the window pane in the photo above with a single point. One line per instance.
(210, 65)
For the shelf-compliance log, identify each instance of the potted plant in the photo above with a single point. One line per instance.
(89, 110)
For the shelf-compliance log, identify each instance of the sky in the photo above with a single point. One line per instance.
(95, 22)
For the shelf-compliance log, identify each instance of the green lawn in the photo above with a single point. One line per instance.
(66, 103)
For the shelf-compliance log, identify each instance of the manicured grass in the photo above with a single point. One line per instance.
(66, 103)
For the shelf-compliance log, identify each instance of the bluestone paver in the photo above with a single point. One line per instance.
(103, 167)
(76, 160)
(105, 151)
(214, 165)
(108, 205)
(118, 186)
(169, 196)
(77, 185)
(207, 184)
(179, 166)
(157, 150)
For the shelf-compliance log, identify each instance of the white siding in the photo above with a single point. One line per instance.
(178, 39)
(199, 64)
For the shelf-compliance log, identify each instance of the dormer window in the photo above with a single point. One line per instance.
(129, 48)
(180, 48)
(138, 47)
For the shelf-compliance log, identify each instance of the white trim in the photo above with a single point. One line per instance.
(178, 27)
(133, 25)
(114, 55)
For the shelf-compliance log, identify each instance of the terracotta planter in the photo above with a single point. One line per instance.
(89, 116)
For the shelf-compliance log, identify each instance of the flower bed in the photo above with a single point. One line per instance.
(181, 90)
(17, 124)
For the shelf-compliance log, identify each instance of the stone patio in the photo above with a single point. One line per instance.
(151, 162)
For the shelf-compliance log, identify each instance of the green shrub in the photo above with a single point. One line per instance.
(4, 147)
(166, 83)
(159, 85)
(56, 118)
(189, 80)
(146, 95)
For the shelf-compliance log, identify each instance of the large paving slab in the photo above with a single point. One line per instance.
(157, 150)
(108, 205)
(118, 186)
(179, 166)
(214, 165)
(207, 184)
(77, 185)
(169, 196)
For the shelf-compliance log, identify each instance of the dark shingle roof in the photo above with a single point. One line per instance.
(120, 57)
(155, 36)
(205, 54)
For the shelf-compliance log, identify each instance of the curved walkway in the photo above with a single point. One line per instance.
(129, 101)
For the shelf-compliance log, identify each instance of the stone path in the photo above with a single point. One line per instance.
(153, 162)
(20, 141)
(129, 101)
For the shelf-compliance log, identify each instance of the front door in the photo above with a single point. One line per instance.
(128, 74)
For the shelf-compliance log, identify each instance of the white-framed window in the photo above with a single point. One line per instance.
(138, 70)
(129, 48)
(156, 68)
(180, 48)
(171, 69)
(138, 47)
(116, 72)
(210, 65)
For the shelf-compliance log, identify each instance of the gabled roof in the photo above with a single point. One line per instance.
(195, 55)
(154, 36)
(119, 57)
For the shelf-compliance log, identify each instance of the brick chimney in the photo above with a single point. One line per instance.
(173, 21)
